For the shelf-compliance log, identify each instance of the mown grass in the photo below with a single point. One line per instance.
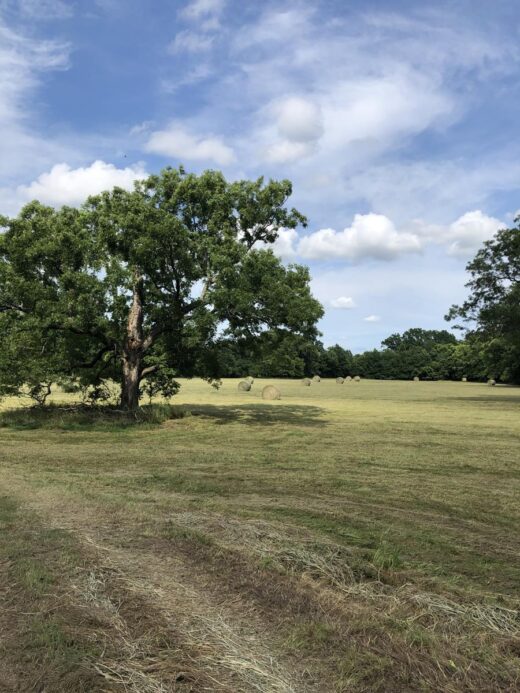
(414, 485)
(43, 638)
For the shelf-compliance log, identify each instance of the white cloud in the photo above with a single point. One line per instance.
(375, 236)
(63, 185)
(299, 120)
(190, 42)
(199, 9)
(286, 152)
(464, 236)
(372, 318)
(180, 144)
(469, 231)
(41, 9)
(22, 62)
(298, 127)
(284, 246)
(370, 236)
(344, 302)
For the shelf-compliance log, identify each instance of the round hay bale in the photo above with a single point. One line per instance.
(307, 382)
(340, 381)
(416, 379)
(464, 379)
(348, 378)
(271, 392)
(317, 379)
(491, 382)
(250, 379)
(357, 379)
(244, 386)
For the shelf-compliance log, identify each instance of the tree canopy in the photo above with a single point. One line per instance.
(139, 286)
(492, 309)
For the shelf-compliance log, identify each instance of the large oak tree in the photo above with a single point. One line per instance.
(139, 286)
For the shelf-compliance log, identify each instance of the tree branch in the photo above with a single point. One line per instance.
(12, 306)
(96, 358)
(148, 371)
(155, 332)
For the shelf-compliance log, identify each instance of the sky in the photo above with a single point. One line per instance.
(395, 120)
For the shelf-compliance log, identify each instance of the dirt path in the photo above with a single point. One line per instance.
(221, 644)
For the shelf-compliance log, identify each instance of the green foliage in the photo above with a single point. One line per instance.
(493, 306)
(418, 338)
(139, 286)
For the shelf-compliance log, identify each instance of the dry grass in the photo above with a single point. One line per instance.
(342, 539)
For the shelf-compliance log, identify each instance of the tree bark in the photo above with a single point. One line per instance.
(133, 350)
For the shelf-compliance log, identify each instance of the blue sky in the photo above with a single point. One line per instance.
(396, 120)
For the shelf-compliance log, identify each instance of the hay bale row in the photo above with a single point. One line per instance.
(271, 392)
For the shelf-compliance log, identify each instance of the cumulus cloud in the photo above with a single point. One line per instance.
(299, 120)
(464, 236)
(177, 142)
(344, 302)
(298, 127)
(284, 246)
(286, 151)
(375, 237)
(370, 236)
(468, 232)
(63, 185)
(372, 318)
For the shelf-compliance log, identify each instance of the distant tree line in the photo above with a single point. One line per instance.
(489, 348)
(427, 354)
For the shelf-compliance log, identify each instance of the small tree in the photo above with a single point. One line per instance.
(138, 285)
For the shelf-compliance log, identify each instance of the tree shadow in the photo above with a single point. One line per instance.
(487, 399)
(261, 414)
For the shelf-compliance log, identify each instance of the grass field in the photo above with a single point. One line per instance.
(356, 537)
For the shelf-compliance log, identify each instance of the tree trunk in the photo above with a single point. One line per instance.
(130, 384)
(133, 350)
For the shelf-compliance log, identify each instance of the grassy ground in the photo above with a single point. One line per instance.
(356, 537)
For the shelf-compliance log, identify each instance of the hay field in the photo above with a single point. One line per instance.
(349, 537)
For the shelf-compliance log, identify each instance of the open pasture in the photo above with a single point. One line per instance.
(349, 537)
